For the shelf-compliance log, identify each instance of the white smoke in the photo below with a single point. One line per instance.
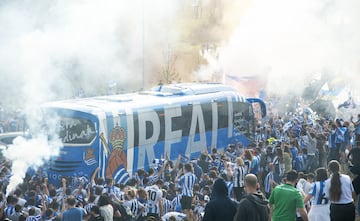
(52, 49)
(58, 47)
(32, 153)
(289, 42)
(33, 149)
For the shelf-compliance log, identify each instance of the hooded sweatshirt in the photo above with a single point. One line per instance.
(220, 207)
(252, 207)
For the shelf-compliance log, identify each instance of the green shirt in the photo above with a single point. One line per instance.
(286, 199)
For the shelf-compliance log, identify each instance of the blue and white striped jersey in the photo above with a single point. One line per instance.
(33, 218)
(88, 207)
(176, 204)
(153, 179)
(267, 182)
(247, 166)
(318, 194)
(239, 176)
(80, 195)
(187, 182)
(134, 205)
(113, 190)
(167, 205)
(144, 204)
(9, 210)
(154, 199)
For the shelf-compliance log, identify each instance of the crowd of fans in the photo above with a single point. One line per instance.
(293, 150)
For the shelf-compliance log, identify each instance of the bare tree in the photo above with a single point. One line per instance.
(168, 71)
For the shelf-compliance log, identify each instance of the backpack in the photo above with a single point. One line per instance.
(356, 184)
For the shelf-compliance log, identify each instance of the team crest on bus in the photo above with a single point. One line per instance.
(89, 157)
(117, 156)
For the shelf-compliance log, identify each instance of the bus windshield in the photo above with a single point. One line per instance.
(73, 130)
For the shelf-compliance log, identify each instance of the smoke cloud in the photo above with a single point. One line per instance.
(60, 49)
(29, 153)
(287, 43)
(49, 50)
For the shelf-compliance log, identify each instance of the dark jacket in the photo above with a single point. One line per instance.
(220, 207)
(252, 207)
(96, 218)
(204, 164)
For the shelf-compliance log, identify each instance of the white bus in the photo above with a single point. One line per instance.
(123, 133)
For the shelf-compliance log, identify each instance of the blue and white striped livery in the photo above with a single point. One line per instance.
(123, 133)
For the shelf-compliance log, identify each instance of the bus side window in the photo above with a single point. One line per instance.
(186, 119)
(223, 114)
(207, 113)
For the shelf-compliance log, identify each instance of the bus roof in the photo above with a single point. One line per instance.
(158, 96)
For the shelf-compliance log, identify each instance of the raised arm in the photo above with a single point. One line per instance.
(93, 176)
(44, 208)
(177, 162)
(63, 182)
(45, 189)
(178, 175)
